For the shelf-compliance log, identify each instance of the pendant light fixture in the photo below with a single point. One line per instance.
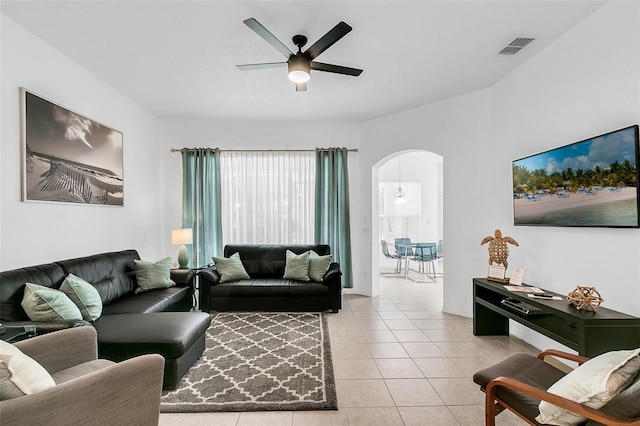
(399, 195)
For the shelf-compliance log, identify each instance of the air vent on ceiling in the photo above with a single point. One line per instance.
(515, 46)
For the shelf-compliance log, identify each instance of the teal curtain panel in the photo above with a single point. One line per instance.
(201, 203)
(332, 207)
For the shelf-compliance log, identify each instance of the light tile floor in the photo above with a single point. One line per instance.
(398, 360)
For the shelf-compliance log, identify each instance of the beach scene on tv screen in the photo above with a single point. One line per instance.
(589, 183)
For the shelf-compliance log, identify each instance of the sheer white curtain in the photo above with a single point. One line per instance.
(268, 197)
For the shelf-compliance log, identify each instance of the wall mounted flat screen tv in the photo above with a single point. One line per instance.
(591, 183)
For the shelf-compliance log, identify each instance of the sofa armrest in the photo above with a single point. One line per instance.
(207, 277)
(125, 393)
(62, 349)
(183, 277)
(333, 275)
(333, 279)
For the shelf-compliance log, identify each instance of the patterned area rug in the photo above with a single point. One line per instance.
(259, 362)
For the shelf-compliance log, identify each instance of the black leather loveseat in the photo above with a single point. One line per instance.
(131, 324)
(266, 289)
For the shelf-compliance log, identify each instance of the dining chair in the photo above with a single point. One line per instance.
(404, 250)
(395, 256)
(403, 247)
(425, 256)
(440, 254)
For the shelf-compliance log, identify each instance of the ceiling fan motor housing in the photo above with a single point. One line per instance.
(299, 68)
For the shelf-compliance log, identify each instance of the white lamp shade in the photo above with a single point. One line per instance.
(400, 200)
(182, 236)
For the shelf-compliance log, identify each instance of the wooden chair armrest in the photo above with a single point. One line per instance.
(565, 355)
(557, 400)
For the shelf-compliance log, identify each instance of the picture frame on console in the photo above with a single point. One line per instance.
(67, 157)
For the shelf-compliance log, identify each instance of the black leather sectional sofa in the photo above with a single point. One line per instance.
(155, 321)
(266, 289)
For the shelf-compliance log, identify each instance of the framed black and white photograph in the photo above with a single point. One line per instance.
(68, 158)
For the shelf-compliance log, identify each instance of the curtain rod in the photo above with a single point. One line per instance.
(261, 150)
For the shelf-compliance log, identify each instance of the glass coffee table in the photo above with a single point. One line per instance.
(13, 334)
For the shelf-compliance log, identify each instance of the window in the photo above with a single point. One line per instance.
(268, 197)
(403, 220)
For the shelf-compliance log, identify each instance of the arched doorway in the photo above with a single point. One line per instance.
(407, 203)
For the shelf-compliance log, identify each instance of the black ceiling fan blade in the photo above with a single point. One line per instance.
(265, 65)
(301, 87)
(327, 40)
(338, 69)
(270, 38)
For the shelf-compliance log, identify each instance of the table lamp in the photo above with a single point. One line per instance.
(182, 237)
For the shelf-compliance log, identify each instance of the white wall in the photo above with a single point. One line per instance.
(458, 129)
(586, 83)
(33, 233)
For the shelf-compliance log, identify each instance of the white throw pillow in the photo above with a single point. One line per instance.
(592, 384)
(19, 374)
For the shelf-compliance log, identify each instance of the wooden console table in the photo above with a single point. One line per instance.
(589, 333)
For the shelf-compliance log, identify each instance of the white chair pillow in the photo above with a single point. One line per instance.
(593, 384)
(19, 374)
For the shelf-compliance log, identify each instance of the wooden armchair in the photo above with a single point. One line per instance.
(521, 381)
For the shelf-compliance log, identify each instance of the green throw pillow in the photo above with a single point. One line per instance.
(47, 304)
(153, 275)
(297, 266)
(84, 295)
(19, 374)
(230, 268)
(318, 265)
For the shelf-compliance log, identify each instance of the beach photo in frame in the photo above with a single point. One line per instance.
(591, 183)
(68, 158)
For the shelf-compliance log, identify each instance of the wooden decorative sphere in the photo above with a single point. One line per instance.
(586, 298)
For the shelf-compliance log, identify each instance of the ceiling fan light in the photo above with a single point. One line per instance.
(299, 76)
(299, 69)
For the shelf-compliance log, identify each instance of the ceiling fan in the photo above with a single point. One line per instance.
(301, 63)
